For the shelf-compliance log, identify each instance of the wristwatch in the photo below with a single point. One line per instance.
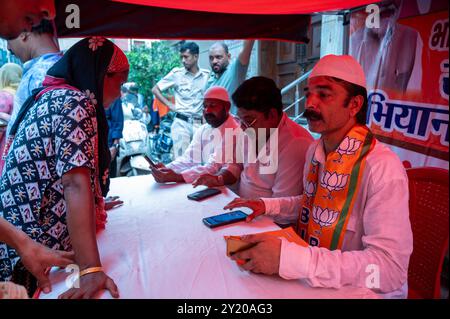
(220, 179)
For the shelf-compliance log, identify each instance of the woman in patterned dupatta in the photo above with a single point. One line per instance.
(58, 159)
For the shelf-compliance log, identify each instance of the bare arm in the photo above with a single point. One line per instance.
(158, 94)
(228, 178)
(244, 56)
(11, 235)
(81, 224)
(35, 257)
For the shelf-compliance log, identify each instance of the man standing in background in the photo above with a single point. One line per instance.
(189, 85)
(38, 51)
(226, 72)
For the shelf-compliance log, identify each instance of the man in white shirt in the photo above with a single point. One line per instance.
(275, 169)
(374, 237)
(189, 84)
(206, 153)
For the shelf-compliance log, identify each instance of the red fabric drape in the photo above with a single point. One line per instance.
(254, 6)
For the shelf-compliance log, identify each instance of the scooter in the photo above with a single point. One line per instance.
(132, 148)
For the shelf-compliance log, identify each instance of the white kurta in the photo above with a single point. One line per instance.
(204, 155)
(378, 238)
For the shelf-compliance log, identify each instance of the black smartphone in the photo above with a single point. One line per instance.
(225, 219)
(149, 161)
(204, 194)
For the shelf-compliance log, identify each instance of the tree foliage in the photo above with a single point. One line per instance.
(148, 65)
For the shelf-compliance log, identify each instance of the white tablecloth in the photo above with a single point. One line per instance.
(156, 246)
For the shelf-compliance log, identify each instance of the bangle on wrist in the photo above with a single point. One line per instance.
(90, 270)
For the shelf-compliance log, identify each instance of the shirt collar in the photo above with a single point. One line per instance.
(29, 64)
(319, 153)
(199, 73)
(280, 128)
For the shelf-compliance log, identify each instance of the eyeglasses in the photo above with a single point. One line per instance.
(245, 124)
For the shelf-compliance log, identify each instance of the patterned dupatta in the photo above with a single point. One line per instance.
(327, 203)
(83, 68)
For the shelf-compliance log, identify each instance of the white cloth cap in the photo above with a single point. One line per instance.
(343, 67)
(218, 93)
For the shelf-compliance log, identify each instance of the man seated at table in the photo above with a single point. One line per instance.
(275, 169)
(354, 210)
(207, 152)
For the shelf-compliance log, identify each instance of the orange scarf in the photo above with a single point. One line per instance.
(328, 203)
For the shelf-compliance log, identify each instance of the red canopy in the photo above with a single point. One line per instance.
(254, 6)
(195, 19)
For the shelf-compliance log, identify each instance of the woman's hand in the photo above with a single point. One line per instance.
(112, 202)
(37, 258)
(90, 285)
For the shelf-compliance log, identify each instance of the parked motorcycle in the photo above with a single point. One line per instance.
(161, 143)
(132, 148)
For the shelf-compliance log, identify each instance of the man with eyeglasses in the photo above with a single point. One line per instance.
(271, 152)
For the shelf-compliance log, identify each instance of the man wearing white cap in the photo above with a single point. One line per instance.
(353, 213)
(206, 153)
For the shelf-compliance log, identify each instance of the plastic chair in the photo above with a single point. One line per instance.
(428, 205)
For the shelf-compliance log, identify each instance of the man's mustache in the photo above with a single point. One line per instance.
(311, 115)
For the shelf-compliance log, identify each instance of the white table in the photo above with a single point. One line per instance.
(156, 246)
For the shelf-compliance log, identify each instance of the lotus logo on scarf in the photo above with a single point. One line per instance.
(310, 189)
(333, 182)
(324, 217)
(349, 146)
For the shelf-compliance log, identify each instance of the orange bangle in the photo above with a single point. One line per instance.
(90, 270)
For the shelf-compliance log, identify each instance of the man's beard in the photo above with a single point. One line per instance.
(215, 121)
(221, 69)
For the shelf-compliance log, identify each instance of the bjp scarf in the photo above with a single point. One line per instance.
(327, 203)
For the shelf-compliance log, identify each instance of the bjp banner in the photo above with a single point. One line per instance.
(403, 49)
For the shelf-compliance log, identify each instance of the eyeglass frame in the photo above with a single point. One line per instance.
(244, 123)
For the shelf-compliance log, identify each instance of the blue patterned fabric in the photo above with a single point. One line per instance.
(58, 134)
(34, 72)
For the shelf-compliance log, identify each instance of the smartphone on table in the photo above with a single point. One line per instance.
(204, 194)
(149, 161)
(225, 219)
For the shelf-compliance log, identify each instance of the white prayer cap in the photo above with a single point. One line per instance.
(343, 67)
(218, 93)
